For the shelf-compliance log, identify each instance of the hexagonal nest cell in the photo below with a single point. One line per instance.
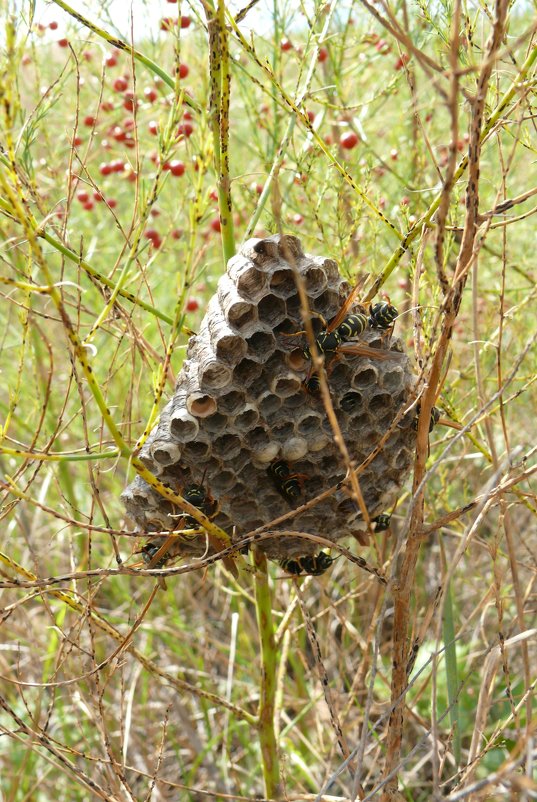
(241, 409)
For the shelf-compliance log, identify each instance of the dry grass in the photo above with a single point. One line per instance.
(112, 688)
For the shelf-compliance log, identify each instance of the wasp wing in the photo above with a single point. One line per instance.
(354, 349)
(347, 305)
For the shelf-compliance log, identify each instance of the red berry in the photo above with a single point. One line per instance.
(118, 133)
(349, 140)
(88, 55)
(26, 59)
(89, 121)
(311, 116)
(192, 305)
(53, 25)
(97, 197)
(177, 233)
(77, 141)
(298, 219)
(183, 70)
(405, 200)
(153, 127)
(167, 23)
(111, 60)
(213, 194)
(107, 105)
(129, 101)
(172, 1)
(105, 168)
(120, 84)
(323, 54)
(187, 115)
(383, 46)
(185, 130)
(82, 196)
(401, 61)
(150, 94)
(394, 154)
(112, 203)
(185, 21)
(63, 42)
(151, 233)
(215, 224)
(118, 166)
(286, 45)
(88, 206)
(176, 167)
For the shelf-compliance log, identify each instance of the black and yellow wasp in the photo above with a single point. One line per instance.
(312, 564)
(155, 555)
(290, 485)
(334, 337)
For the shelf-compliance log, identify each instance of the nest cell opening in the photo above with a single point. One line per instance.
(365, 377)
(308, 425)
(213, 375)
(231, 349)
(271, 310)
(166, 453)
(227, 446)
(231, 403)
(261, 345)
(246, 419)
(251, 283)
(287, 385)
(241, 315)
(216, 423)
(201, 405)
(183, 426)
(268, 403)
(315, 281)
(282, 284)
(197, 450)
(247, 372)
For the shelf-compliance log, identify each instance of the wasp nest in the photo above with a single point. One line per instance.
(240, 406)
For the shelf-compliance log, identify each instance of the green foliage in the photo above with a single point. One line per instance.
(91, 196)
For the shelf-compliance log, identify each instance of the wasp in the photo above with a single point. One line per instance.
(149, 551)
(435, 417)
(382, 315)
(290, 485)
(198, 497)
(382, 522)
(312, 384)
(156, 555)
(312, 564)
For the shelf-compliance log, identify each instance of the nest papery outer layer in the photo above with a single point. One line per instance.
(240, 404)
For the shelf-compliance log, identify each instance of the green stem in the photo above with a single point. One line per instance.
(269, 673)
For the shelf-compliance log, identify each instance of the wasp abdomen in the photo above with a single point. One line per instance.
(149, 550)
(326, 342)
(312, 564)
(352, 326)
(382, 315)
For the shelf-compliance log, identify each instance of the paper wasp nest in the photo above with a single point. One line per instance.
(240, 405)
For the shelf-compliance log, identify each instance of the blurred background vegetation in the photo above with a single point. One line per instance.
(346, 120)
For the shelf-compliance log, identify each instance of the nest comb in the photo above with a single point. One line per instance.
(240, 404)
